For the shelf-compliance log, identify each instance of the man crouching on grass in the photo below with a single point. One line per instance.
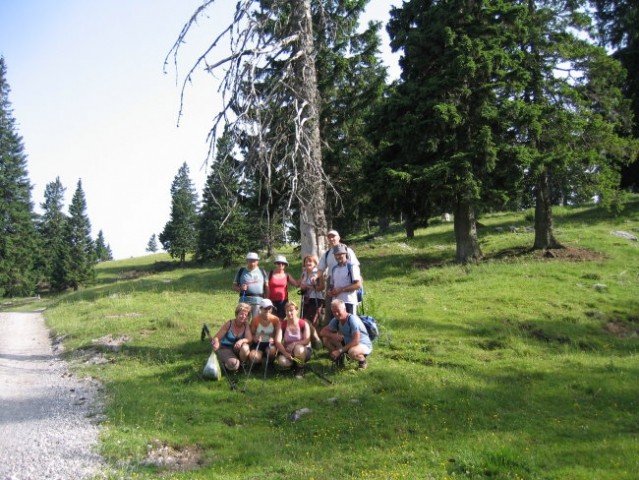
(346, 333)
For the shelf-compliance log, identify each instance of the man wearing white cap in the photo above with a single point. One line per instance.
(326, 264)
(251, 282)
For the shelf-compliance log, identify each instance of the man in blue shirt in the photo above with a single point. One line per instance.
(251, 282)
(346, 334)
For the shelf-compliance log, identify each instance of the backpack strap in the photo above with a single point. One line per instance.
(238, 276)
(349, 267)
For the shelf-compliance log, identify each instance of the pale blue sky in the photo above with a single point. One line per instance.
(92, 102)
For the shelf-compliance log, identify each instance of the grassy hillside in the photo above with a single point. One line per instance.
(520, 367)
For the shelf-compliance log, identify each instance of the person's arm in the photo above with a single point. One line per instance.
(267, 292)
(354, 342)
(237, 286)
(279, 335)
(330, 332)
(217, 338)
(306, 339)
(291, 280)
(254, 325)
(248, 338)
(349, 288)
(352, 257)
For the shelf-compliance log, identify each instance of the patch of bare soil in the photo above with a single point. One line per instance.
(571, 254)
(112, 343)
(167, 457)
(621, 330)
(567, 254)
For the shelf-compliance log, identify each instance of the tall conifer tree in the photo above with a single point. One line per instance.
(52, 227)
(102, 249)
(227, 226)
(82, 256)
(179, 236)
(18, 242)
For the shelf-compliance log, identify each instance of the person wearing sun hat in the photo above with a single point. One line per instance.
(251, 282)
(279, 280)
(265, 327)
(326, 264)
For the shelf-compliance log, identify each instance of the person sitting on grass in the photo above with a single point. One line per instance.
(231, 342)
(346, 334)
(293, 341)
(264, 329)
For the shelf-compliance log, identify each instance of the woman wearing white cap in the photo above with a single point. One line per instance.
(279, 280)
(264, 328)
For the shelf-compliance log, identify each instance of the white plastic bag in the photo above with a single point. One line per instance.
(212, 369)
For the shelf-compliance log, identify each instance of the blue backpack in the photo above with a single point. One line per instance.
(371, 326)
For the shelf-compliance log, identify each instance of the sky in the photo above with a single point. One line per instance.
(94, 102)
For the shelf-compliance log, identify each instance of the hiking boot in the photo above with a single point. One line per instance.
(362, 365)
(299, 372)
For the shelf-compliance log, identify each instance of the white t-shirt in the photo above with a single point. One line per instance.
(328, 260)
(342, 278)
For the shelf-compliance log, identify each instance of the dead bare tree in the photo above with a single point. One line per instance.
(270, 101)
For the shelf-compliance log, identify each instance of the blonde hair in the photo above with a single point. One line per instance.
(312, 257)
(291, 303)
(242, 306)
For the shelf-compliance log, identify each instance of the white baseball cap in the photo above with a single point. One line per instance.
(266, 303)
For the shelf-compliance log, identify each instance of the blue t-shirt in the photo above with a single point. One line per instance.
(255, 280)
(353, 323)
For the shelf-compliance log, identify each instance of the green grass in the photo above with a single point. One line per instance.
(519, 367)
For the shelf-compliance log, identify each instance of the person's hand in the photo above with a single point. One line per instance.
(335, 354)
(244, 287)
(215, 345)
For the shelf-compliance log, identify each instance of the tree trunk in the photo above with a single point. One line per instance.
(312, 185)
(409, 226)
(466, 233)
(544, 235)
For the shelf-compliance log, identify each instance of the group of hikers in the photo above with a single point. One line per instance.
(270, 327)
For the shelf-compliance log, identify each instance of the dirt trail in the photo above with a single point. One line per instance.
(47, 415)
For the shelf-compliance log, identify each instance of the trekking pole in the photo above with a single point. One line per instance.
(268, 353)
(232, 384)
(257, 346)
(319, 375)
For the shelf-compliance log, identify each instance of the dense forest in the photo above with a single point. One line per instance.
(500, 105)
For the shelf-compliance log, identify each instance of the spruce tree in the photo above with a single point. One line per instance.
(179, 236)
(225, 229)
(82, 256)
(439, 130)
(18, 241)
(152, 246)
(572, 120)
(52, 228)
(102, 250)
(618, 22)
(351, 80)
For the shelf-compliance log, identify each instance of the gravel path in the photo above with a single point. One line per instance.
(47, 415)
